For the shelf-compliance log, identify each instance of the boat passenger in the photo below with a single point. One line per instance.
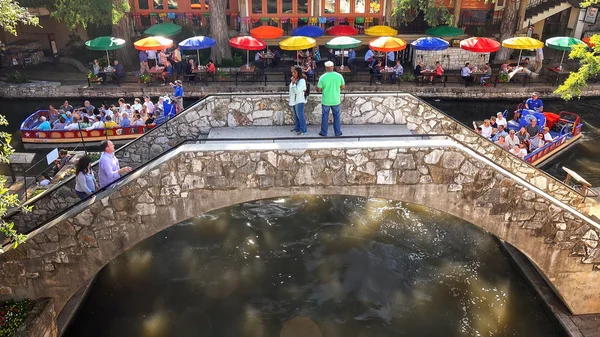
(159, 117)
(485, 129)
(110, 124)
(74, 124)
(52, 112)
(144, 113)
(66, 107)
(60, 123)
(137, 120)
(512, 139)
(150, 120)
(159, 106)
(533, 129)
(68, 116)
(500, 120)
(535, 103)
(88, 107)
(97, 125)
(502, 143)
(536, 142)
(125, 122)
(500, 133)
(44, 125)
(547, 135)
(523, 135)
(86, 122)
(137, 105)
(148, 102)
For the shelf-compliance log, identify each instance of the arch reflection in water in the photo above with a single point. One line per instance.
(315, 266)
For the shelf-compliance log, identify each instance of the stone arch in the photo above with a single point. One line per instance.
(64, 254)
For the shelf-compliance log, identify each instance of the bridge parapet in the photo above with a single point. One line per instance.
(241, 110)
(193, 179)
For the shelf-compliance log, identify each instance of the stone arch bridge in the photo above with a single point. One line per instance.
(191, 179)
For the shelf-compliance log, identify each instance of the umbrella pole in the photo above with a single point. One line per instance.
(519, 59)
(107, 59)
(561, 59)
(198, 57)
(248, 59)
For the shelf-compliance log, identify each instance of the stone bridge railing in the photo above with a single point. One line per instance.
(190, 180)
(238, 110)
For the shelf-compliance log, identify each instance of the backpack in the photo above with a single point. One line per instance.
(307, 91)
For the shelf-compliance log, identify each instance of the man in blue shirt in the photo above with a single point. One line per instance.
(44, 125)
(467, 74)
(143, 56)
(391, 56)
(119, 73)
(178, 95)
(535, 103)
(351, 58)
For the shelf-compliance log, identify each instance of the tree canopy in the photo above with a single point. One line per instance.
(435, 12)
(75, 13)
(12, 14)
(589, 64)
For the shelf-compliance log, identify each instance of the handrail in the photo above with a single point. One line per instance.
(490, 162)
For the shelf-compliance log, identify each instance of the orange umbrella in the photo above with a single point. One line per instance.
(266, 32)
(587, 41)
(387, 44)
(153, 43)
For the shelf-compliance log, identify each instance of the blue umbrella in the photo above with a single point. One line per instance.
(430, 44)
(196, 43)
(309, 31)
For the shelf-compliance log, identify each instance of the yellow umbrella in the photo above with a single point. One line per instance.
(381, 31)
(522, 42)
(297, 43)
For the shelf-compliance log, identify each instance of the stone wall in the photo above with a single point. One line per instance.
(451, 58)
(511, 92)
(41, 321)
(263, 110)
(57, 260)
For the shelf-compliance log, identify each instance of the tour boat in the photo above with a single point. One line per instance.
(565, 129)
(33, 138)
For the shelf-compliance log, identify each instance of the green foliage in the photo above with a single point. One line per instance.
(91, 76)
(17, 77)
(74, 13)
(589, 67)
(235, 62)
(407, 77)
(12, 14)
(12, 315)
(94, 156)
(8, 200)
(434, 12)
(144, 77)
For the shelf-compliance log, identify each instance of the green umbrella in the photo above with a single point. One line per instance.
(563, 43)
(343, 42)
(105, 43)
(164, 29)
(444, 31)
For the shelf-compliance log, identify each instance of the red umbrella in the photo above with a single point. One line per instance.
(247, 43)
(587, 41)
(480, 45)
(342, 30)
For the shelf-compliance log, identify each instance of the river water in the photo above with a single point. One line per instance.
(315, 266)
(324, 266)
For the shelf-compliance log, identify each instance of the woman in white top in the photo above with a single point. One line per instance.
(486, 129)
(297, 100)
(85, 184)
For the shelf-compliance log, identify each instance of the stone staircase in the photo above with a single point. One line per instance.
(539, 10)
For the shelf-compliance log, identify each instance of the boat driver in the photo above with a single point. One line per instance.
(535, 103)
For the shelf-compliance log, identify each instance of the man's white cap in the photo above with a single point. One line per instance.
(328, 64)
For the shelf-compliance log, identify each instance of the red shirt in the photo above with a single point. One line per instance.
(211, 68)
(439, 71)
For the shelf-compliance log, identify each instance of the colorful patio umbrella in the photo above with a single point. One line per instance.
(247, 43)
(342, 30)
(563, 43)
(387, 44)
(430, 44)
(587, 41)
(105, 43)
(266, 32)
(444, 31)
(522, 42)
(196, 43)
(164, 29)
(343, 42)
(153, 43)
(308, 31)
(480, 45)
(297, 43)
(381, 31)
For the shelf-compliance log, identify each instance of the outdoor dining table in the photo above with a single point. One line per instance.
(268, 58)
(556, 73)
(156, 72)
(245, 69)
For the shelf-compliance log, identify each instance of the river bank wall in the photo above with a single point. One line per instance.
(39, 90)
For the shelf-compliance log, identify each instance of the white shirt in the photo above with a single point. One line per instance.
(486, 131)
(151, 54)
(547, 137)
(97, 125)
(72, 126)
(512, 141)
(297, 92)
(501, 122)
(137, 107)
(45, 182)
(150, 106)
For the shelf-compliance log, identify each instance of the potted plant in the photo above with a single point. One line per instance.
(222, 75)
(144, 78)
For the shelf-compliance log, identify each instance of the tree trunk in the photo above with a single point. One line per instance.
(456, 12)
(219, 30)
(508, 27)
(127, 56)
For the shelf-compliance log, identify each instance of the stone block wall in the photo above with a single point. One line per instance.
(58, 260)
(451, 58)
(41, 321)
(265, 110)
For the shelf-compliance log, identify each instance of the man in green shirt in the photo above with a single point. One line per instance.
(330, 85)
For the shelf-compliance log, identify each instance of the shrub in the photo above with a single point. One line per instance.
(144, 77)
(12, 315)
(17, 77)
(407, 78)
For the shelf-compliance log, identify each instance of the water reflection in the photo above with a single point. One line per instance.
(314, 266)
